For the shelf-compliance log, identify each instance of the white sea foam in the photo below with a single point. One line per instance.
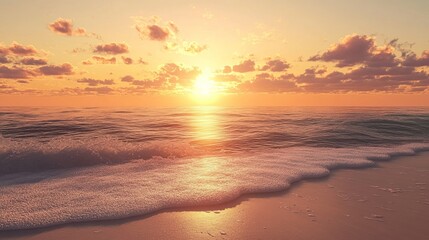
(140, 187)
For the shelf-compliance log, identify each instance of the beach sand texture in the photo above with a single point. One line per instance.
(389, 201)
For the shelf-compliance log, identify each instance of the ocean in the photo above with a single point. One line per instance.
(67, 165)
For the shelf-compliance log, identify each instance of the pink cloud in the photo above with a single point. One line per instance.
(265, 82)
(99, 90)
(64, 69)
(157, 33)
(413, 61)
(33, 61)
(111, 48)
(18, 49)
(65, 27)
(154, 29)
(245, 66)
(103, 60)
(276, 65)
(95, 82)
(169, 76)
(127, 60)
(4, 59)
(16, 72)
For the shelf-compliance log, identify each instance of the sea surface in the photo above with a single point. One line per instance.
(63, 165)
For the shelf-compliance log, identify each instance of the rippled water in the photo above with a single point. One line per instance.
(137, 161)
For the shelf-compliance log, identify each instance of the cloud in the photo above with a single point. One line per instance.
(127, 78)
(351, 50)
(245, 66)
(266, 82)
(227, 69)
(413, 61)
(154, 29)
(65, 27)
(94, 82)
(64, 69)
(193, 47)
(276, 65)
(33, 61)
(103, 60)
(4, 59)
(111, 48)
(169, 76)
(167, 32)
(18, 50)
(127, 60)
(87, 62)
(157, 84)
(376, 68)
(141, 61)
(358, 49)
(99, 90)
(157, 33)
(174, 74)
(16, 73)
(365, 79)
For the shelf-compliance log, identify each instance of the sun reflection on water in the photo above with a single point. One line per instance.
(206, 126)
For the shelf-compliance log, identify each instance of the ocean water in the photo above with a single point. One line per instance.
(74, 165)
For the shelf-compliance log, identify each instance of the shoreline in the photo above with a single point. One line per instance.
(306, 204)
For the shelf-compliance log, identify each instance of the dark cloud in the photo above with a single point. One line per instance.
(111, 48)
(157, 33)
(245, 66)
(95, 82)
(359, 49)
(64, 69)
(103, 60)
(365, 79)
(276, 65)
(16, 73)
(352, 49)
(414, 61)
(377, 69)
(18, 49)
(127, 78)
(33, 61)
(4, 59)
(127, 60)
(154, 29)
(65, 27)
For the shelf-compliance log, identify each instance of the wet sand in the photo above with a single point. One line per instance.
(390, 201)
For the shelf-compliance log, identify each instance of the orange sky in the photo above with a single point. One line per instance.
(232, 53)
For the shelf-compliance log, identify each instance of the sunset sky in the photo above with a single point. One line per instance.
(232, 53)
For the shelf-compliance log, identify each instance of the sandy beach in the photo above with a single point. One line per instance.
(390, 201)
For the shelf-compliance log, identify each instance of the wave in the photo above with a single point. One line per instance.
(33, 200)
(19, 155)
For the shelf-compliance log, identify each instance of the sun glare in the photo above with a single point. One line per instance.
(204, 86)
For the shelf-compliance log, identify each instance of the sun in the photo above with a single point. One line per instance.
(204, 86)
